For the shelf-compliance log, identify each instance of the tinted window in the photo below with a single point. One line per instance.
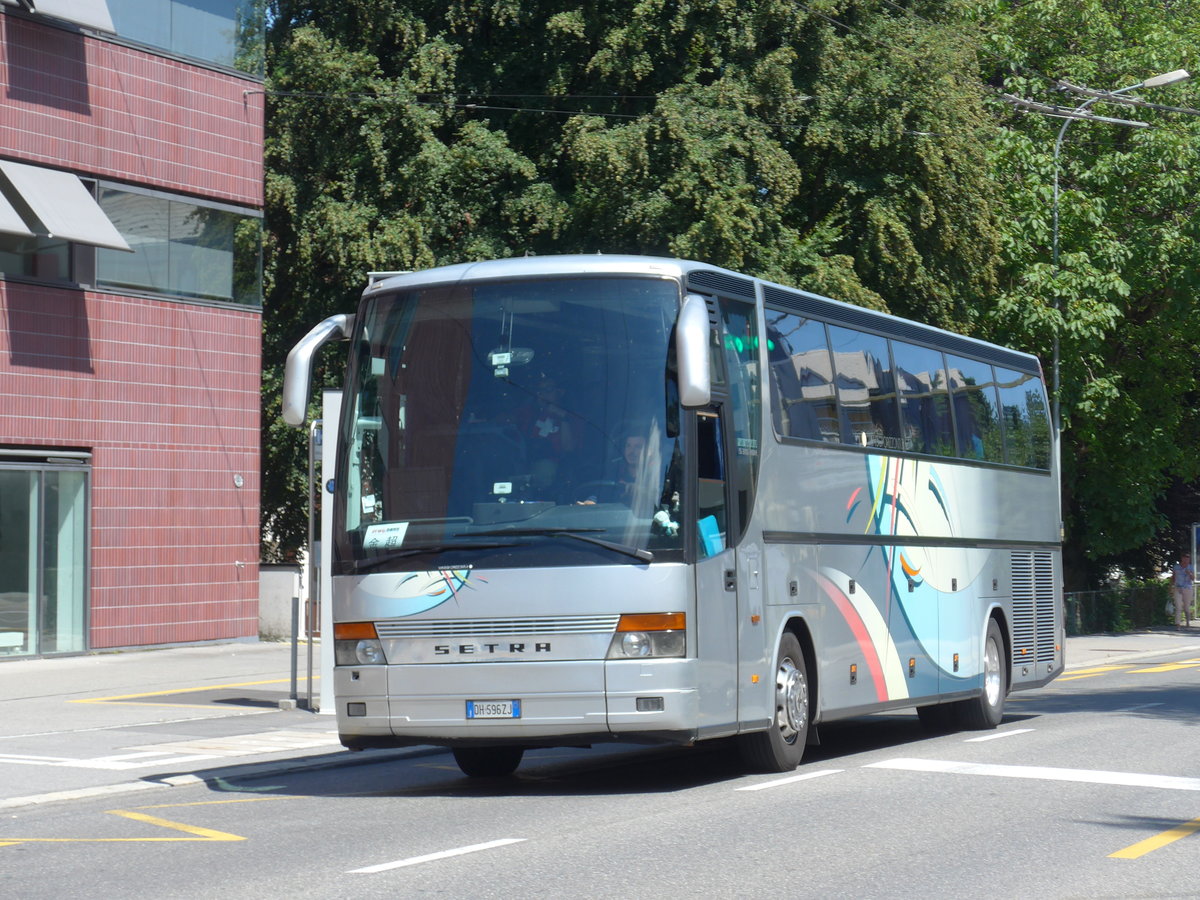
(181, 248)
(511, 411)
(924, 399)
(1026, 422)
(802, 393)
(745, 412)
(976, 409)
(228, 32)
(865, 389)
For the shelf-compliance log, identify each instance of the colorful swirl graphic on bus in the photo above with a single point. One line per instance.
(418, 592)
(897, 597)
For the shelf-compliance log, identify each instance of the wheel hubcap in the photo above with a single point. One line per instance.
(791, 701)
(991, 672)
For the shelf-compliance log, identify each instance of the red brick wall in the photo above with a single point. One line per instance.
(98, 108)
(166, 397)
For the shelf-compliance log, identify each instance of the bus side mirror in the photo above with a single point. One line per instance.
(297, 373)
(691, 352)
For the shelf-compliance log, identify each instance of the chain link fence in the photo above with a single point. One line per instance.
(1118, 609)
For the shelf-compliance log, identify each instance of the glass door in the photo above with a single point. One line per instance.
(43, 559)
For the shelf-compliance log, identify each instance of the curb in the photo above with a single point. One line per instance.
(1113, 658)
(216, 777)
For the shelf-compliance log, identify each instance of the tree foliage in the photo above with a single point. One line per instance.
(850, 147)
(836, 145)
(1122, 301)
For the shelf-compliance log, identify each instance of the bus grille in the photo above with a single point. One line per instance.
(1033, 606)
(498, 627)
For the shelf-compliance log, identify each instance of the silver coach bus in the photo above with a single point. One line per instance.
(610, 498)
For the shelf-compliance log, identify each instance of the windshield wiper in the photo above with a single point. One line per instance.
(362, 565)
(579, 534)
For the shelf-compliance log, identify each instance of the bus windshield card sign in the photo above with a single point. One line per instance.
(385, 537)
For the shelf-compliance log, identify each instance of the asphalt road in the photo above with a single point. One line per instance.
(1090, 789)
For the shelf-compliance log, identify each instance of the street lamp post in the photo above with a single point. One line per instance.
(1152, 82)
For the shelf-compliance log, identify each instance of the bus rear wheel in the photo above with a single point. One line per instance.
(488, 762)
(986, 710)
(781, 746)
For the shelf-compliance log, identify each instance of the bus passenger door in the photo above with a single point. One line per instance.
(717, 582)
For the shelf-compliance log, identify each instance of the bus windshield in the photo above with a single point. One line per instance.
(514, 423)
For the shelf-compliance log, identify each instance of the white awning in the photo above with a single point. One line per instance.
(64, 207)
(88, 13)
(11, 221)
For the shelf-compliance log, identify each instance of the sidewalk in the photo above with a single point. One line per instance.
(113, 723)
(141, 719)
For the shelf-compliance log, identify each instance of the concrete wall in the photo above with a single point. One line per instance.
(275, 602)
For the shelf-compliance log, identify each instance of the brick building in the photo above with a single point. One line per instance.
(130, 320)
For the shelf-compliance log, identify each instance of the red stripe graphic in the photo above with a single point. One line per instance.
(859, 629)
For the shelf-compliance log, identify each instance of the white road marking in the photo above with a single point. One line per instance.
(790, 780)
(1043, 773)
(176, 752)
(996, 735)
(430, 857)
(1133, 708)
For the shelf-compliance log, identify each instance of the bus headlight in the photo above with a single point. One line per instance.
(649, 636)
(359, 653)
(357, 644)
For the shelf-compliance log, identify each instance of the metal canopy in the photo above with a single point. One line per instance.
(64, 207)
(11, 221)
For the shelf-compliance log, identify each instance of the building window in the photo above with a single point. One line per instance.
(226, 32)
(43, 212)
(182, 248)
(43, 557)
(40, 258)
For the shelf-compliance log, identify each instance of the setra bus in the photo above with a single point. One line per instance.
(618, 498)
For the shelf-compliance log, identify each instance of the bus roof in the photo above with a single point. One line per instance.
(707, 278)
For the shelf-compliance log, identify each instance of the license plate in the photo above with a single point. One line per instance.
(493, 709)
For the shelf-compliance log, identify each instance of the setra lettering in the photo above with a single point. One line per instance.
(512, 649)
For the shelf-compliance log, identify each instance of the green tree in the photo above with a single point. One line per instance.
(1123, 299)
(839, 146)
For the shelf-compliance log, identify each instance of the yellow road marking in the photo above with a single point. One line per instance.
(1092, 672)
(209, 802)
(1149, 845)
(127, 697)
(204, 835)
(1169, 667)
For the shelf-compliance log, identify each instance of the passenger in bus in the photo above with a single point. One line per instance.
(621, 473)
(548, 431)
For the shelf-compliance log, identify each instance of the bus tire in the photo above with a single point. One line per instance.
(488, 762)
(780, 747)
(986, 710)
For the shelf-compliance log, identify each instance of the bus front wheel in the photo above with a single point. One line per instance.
(488, 762)
(780, 747)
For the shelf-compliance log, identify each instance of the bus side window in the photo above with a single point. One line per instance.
(712, 521)
(866, 389)
(802, 399)
(976, 409)
(1026, 421)
(924, 399)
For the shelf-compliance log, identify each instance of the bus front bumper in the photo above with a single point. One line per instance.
(560, 703)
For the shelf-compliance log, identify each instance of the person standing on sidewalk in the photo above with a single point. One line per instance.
(1182, 577)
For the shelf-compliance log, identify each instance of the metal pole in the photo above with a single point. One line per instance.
(314, 438)
(295, 635)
